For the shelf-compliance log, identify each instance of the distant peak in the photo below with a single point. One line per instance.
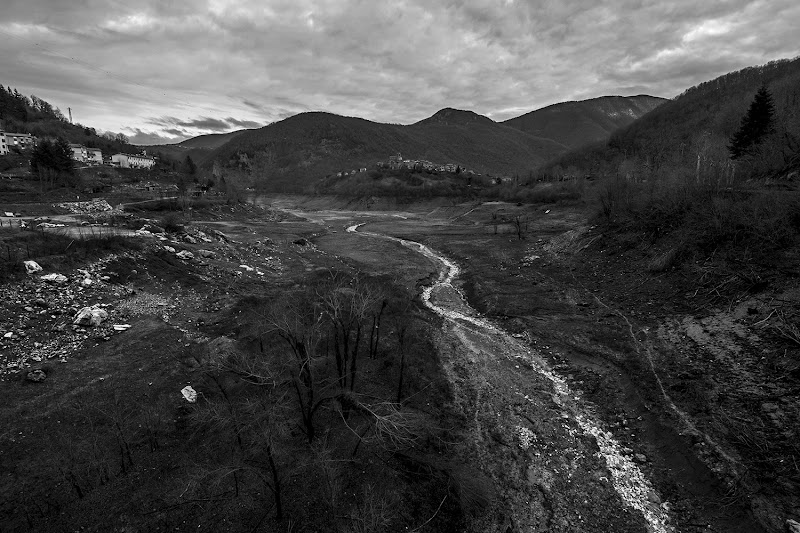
(448, 115)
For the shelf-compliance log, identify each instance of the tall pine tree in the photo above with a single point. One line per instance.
(756, 124)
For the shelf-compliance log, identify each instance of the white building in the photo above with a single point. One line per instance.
(133, 161)
(79, 152)
(94, 156)
(9, 140)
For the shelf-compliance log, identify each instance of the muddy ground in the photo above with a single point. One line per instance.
(693, 372)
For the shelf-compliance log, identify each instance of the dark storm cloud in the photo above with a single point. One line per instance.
(200, 123)
(143, 138)
(243, 123)
(195, 65)
(206, 124)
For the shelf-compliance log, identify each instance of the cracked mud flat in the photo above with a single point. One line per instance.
(485, 344)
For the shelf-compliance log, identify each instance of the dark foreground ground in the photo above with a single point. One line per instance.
(693, 371)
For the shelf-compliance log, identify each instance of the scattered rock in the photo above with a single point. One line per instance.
(170, 249)
(792, 526)
(189, 239)
(186, 255)
(32, 267)
(36, 376)
(97, 205)
(301, 242)
(769, 407)
(55, 278)
(206, 253)
(41, 302)
(86, 282)
(90, 316)
(246, 268)
(654, 498)
(152, 228)
(640, 458)
(121, 327)
(189, 393)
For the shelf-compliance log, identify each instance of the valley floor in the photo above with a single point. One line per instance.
(589, 394)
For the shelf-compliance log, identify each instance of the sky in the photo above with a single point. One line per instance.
(161, 71)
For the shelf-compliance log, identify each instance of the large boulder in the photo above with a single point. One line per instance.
(36, 376)
(189, 394)
(58, 279)
(90, 316)
(31, 267)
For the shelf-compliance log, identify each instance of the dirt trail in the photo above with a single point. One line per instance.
(482, 339)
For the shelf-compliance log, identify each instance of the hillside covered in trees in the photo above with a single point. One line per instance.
(296, 152)
(20, 113)
(576, 124)
(690, 135)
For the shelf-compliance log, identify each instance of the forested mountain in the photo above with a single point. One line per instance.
(691, 133)
(21, 114)
(210, 141)
(295, 152)
(575, 124)
(197, 148)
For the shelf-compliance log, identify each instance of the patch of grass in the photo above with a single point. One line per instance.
(728, 222)
(55, 250)
(172, 222)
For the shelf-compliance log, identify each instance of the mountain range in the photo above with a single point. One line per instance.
(298, 150)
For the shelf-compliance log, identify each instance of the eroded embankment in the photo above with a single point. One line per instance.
(478, 335)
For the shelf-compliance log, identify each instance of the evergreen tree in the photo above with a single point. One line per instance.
(756, 124)
(189, 166)
(52, 162)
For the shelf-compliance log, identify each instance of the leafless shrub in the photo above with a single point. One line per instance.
(786, 329)
(664, 261)
(475, 492)
(392, 427)
(373, 514)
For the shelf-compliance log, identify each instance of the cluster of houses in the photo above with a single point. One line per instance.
(350, 172)
(10, 140)
(80, 153)
(94, 156)
(397, 162)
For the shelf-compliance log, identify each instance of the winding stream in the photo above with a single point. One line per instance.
(444, 299)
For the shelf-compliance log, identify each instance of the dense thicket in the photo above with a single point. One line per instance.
(52, 162)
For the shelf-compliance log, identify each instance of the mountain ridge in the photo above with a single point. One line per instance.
(580, 122)
(310, 145)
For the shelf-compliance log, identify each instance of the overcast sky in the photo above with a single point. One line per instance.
(164, 70)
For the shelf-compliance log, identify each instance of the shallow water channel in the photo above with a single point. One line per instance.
(478, 334)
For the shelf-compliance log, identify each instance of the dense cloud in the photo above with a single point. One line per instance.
(196, 65)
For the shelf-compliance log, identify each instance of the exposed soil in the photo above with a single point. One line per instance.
(587, 392)
(691, 377)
